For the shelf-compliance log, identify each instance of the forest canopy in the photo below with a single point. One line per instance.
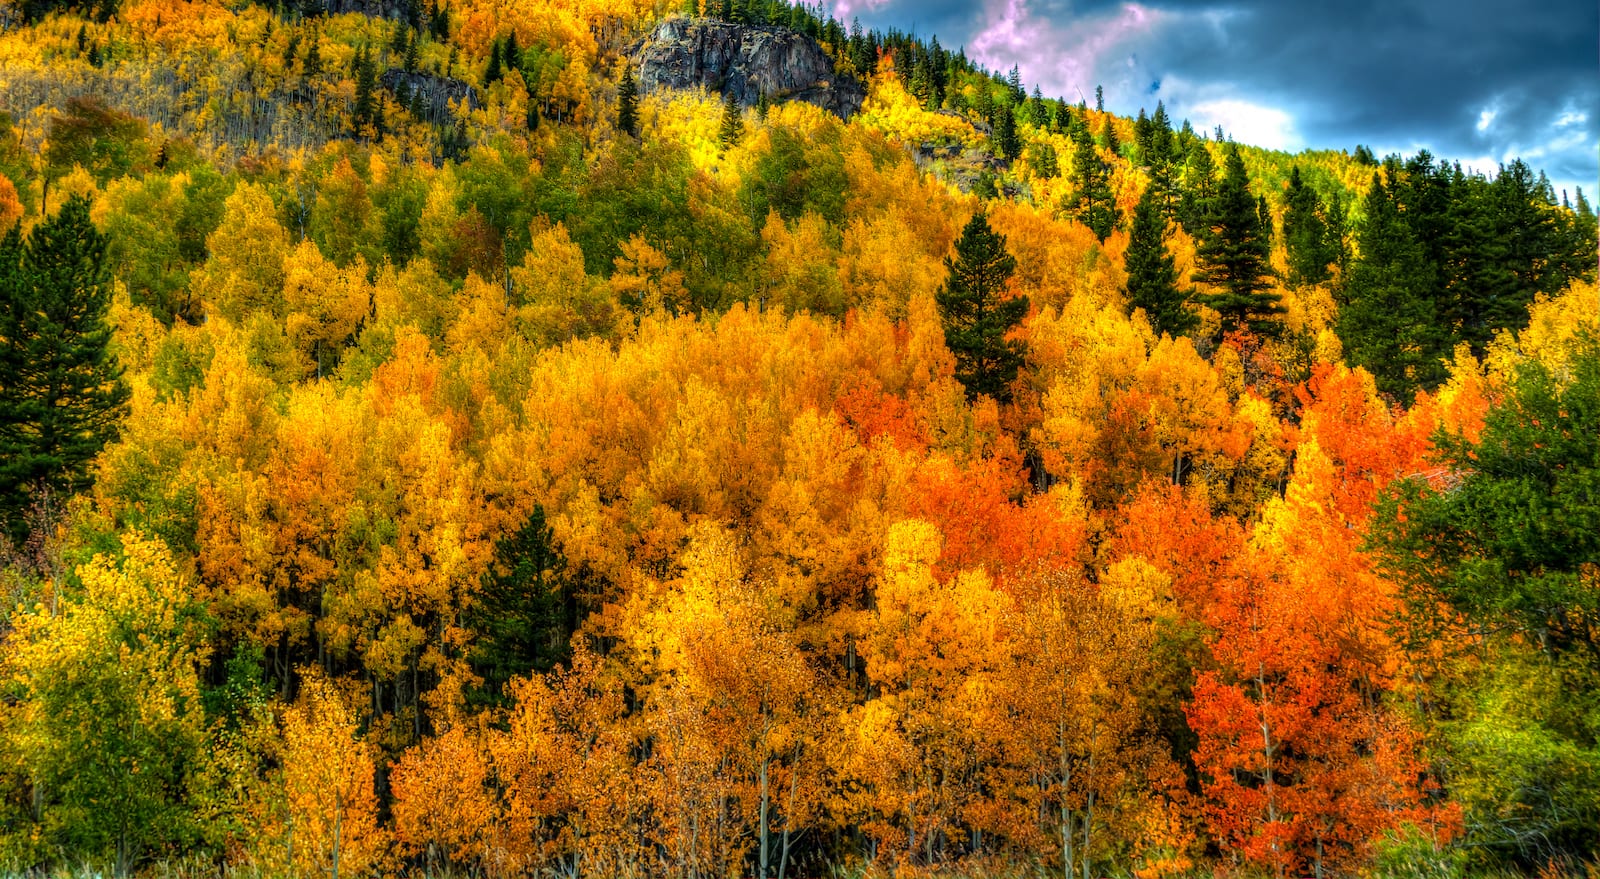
(428, 449)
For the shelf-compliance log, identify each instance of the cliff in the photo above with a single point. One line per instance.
(746, 61)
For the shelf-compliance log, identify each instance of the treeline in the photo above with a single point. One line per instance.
(1448, 258)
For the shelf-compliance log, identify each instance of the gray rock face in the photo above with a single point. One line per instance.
(434, 93)
(391, 9)
(744, 60)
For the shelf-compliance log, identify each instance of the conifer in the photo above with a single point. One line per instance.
(978, 315)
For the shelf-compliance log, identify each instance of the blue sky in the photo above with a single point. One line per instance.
(1479, 81)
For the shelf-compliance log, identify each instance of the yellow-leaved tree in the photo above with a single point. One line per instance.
(106, 718)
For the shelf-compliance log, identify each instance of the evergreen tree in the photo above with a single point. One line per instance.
(493, 73)
(439, 23)
(628, 102)
(976, 313)
(732, 130)
(526, 611)
(1161, 160)
(61, 391)
(365, 109)
(1108, 137)
(1387, 319)
(397, 41)
(1100, 98)
(510, 53)
(409, 62)
(1152, 273)
(1142, 137)
(1473, 272)
(1232, 254)
(1305, 233)
(1094, 204)
(1006, 142)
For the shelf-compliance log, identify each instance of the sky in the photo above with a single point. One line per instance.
(1475, 81)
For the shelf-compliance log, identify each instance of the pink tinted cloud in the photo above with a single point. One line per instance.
(844, 10)
(1067, 54)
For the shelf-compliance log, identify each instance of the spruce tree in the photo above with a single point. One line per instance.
(1305, 233)
(1006, 142)
(511, 54)
(732, 130)
(365, 110)
(1108, 137)
(628, 102)
(61, 390)
(1387, 319)
(1152, 273)
(1199, 189)
(977, 315)
(1473, 270)
(397, 40)
(1233, 255)
(1093, 204)
(493, 73)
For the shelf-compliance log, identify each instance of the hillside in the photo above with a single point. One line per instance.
(583, 438)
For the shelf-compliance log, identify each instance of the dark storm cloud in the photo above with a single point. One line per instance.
(1481, 81)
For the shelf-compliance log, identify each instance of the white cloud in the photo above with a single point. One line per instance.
(1247, 122)
(1571, 118)
(1486, 119)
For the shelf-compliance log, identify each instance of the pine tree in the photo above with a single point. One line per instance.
(1094, 204)
(397, 42)
(1473, 271)
(1233, 254)
(525, 613)
(364, 111)
(1162, 159)
(1100, 98)
(1152, 272)
(732, 130)
(628, 102)
(61, 390)
(410, 60)
(977, 315)
(439, 23)
(493, 73)
(1387, 320)
(1006, 142)
(511, 53)
(1108, 137)
(1305, 233)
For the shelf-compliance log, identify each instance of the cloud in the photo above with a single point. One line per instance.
(1248, 123)
(1065, 60)
(844, 10)
(1459, 77)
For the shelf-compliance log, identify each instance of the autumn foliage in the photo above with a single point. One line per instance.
(502, 494)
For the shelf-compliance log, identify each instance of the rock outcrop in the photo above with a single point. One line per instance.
(435, 94)
(746, 61)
